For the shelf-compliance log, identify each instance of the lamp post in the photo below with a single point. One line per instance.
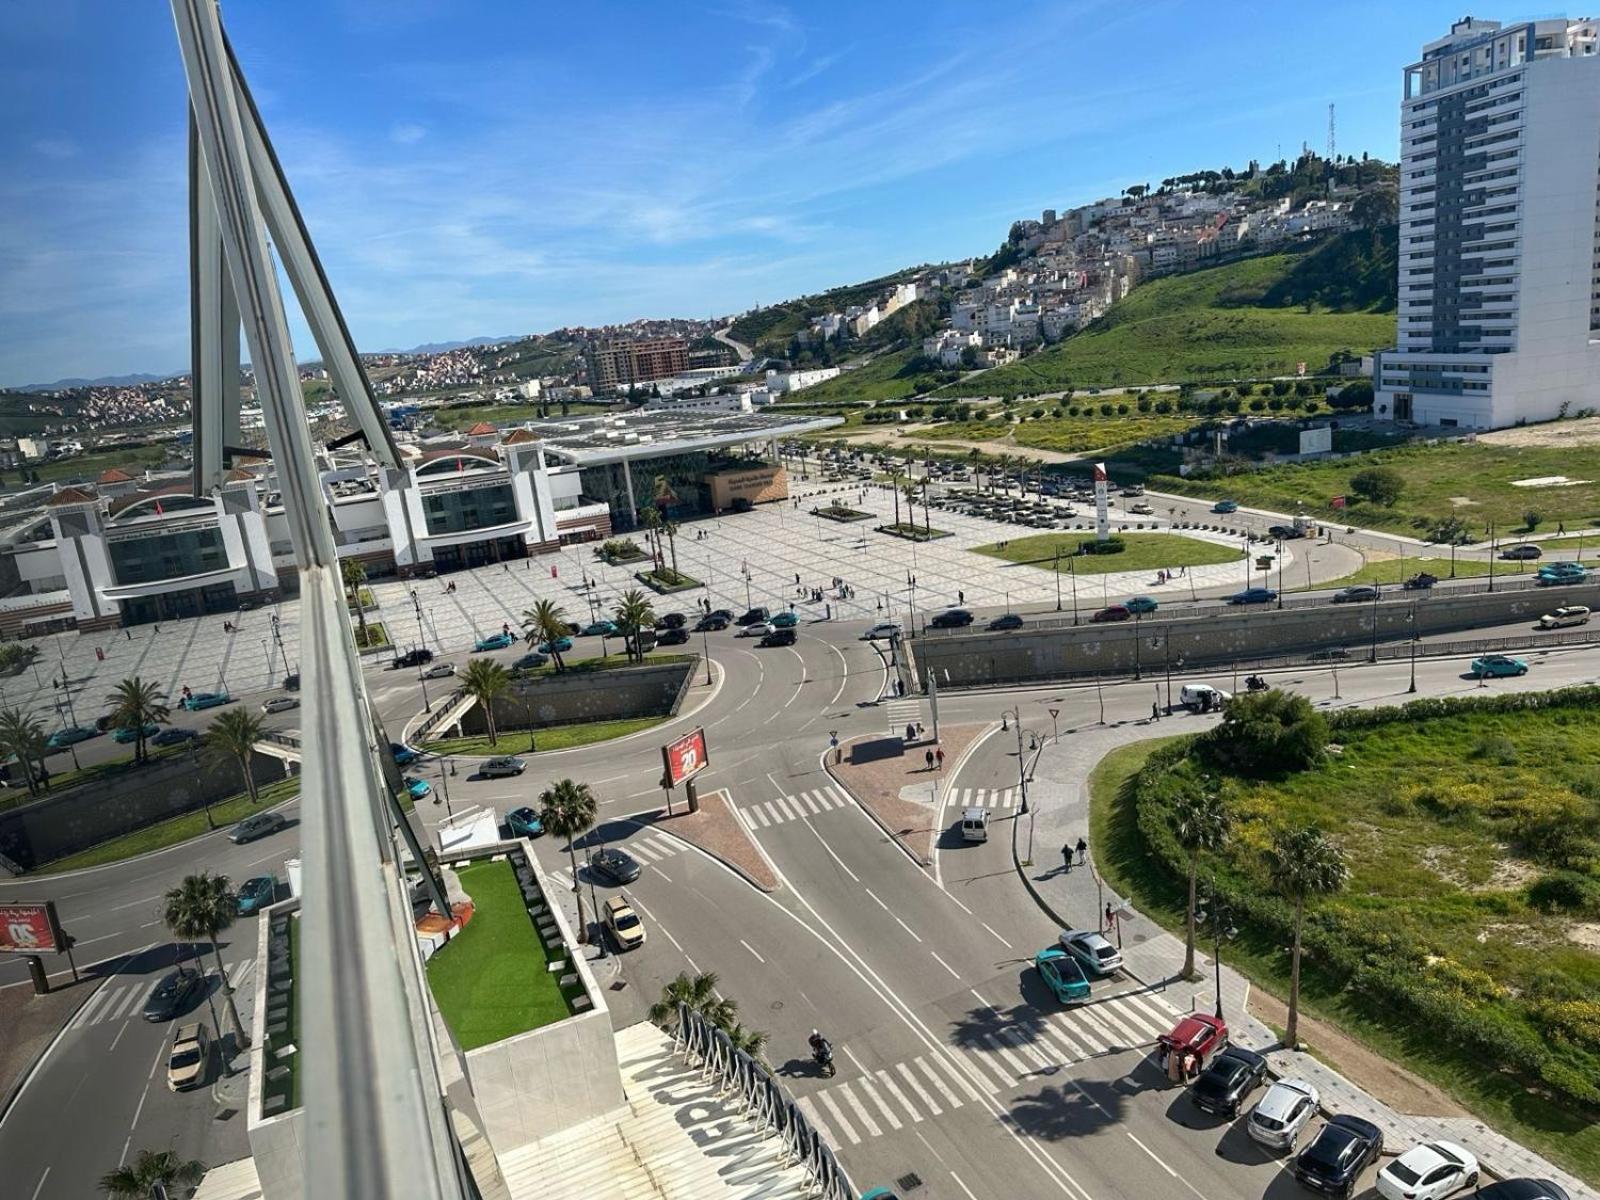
(1411, 623)
(1280, 573)
(277, 636)
(1058, 578)
(444, 782)
(1073, 572)
(422, 676)
(1373, 655)
(1221, 917)
(1138, 665)
(705, 644)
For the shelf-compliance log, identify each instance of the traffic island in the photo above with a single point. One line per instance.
(889, 777)
(913, 533)
(667, 581)
(718, 830)
(841, 512)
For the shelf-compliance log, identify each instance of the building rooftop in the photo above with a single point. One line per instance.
(651, 433)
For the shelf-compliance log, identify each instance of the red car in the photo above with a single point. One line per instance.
(1196, 1039)
(1116, 612)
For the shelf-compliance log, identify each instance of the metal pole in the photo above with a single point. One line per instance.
(1138, 666)
(1491, 556)
(1073, 571)
(1373, 657)
(1022, 775)
(705, 644)
(1280, 573)
(1100, 693)
(1058, 578)
(1412, 622)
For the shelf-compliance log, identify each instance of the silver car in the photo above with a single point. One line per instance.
(1282, 1113)
(495, 768)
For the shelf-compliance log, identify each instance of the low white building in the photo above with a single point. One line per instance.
(795, 381)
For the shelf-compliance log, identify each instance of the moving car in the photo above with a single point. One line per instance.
(71, 736)
(1008, 621)
(257, 825)
(1335, 1159)
(672, 637)
(129, 734)
(524, 822)
(440, 671)
(1420, 581)
(189, 1061)
(1133, 489)
(883, 629)
(1522, 1189)
(622, 923)
(952, 618)
(1198, 1038)
(502, 766)
(1524, 552)
(1572, 614)
(1091, 950)
(779, 637)
(1562, 572)
(173, 735)
(1285, 533)
(277, 704)
(1113, 612)
(1225, 506)
(256, 893)
(417, 789)
(403, 755)
(560, 646)
(600, 629)
(530, 661)
(755, 616)
(1282, 1113)
(1062, 974)
(1253, 595)
(173, 993)
(714, 622)
(495, 641)
(418, 657)
(614, 866)
(1223, 1086)
(1197, 697)
(1142, 605)
(1495, 665)
(200, 700)
(784, 620)
(725, 613)
(671, 620)
(1430, 1171)
(757, 629)
(1356, 594)
(1141, 510)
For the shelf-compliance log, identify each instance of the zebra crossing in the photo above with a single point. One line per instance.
(792, 808)
(986, 797)
(652, 848)
(118, 1001)
(928, 1085)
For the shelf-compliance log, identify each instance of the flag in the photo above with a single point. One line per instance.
(1100, 472)
(1336, 502)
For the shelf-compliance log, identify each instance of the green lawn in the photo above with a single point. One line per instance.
(133, 460)
(1066, 434)
(1145, 551)
(557, 737)
(887, 377)
(1396, 570)
(490, 980)
(376, 635)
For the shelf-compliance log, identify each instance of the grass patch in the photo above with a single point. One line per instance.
(174, 830)
(490, 980)
(608, 662)
(912, 532)
(1144, 551)
(556, 737)
(373, 636)
(1398, 570)
(887, 377)
(1065, 434)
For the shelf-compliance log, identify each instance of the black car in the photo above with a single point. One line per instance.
(530, 661)
(412, 658)
(615, 866)
(713, 622)
(778, 637)
(676, 636)
(1285, 532)
(1231, 1077)
(952, 618)
(1009, 621)
(173, 994)
(755, 616)
(1522, 1189)
(672, 620)
(173, 735)
(1341, 1151)
(1356, 594)
(1527, 550)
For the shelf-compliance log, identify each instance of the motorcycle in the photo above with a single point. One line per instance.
(1254, 683)
(822, 1055)
(1420, 581)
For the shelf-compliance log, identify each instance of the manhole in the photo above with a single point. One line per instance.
(908, 1183)
(776, 1005)
(619, 985)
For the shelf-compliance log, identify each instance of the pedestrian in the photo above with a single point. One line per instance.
(938, 756)
(129, 632)
(1066, 858)
(1111, 916)
(927, 757)
(797, 578)
(899, 687)
(157, 628)
(1083, 851)
(961, 597)
(1155, 711)
(911, 733)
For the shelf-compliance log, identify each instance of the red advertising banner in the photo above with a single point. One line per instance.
(30, 928)
(685, 757)
(1337, 502)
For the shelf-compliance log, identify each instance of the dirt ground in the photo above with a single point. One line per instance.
(1585, 431)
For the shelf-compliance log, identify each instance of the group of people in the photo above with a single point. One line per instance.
(1082, 851)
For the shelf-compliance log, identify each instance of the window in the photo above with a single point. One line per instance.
(168, 556)
(465, 511)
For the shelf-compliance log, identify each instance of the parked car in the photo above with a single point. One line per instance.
(600, 629)
(128, 733)
(1340, 1152)
(778, 637)
(71, 735)
(291, 682)
(1143, 605)
(952, 618)
(725, 613)
(1223, 1087)
(755, 616)
(277, 704)
(531, 661)
(1199, 1037)
(1430, 1171)
(1007, 621)
(759, 629)
(1561, 572)
(1141, 509)
(257, 825)
(256, 893)
(883, 629)
(1572, 614)
(1113, 612)
(1133, 489)
(174, 735)
(1282, 1113)
(525, 822)
(1202, 697)
(200, 700)
(495, 641)
(560, 646)
(1285, 533)
(672, 637)
(417, 789)
(1522, 1189)
(1062, 974)
(418, 657)
(440, 671)
(189, 1060)
(1494, 665)
(1253, 595)
(615, 866)
(1524, 552)
(622, 923)
(502, 766)
(1096, 954)
(173, 993)
(784, 620)
(403, 755)
(1356, 594)
(711, 622)
(671, 620)
(1225, 506)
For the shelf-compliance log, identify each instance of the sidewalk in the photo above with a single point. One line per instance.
(1154, 957)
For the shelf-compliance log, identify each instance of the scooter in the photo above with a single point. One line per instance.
(1254, 683)
(822, 1055)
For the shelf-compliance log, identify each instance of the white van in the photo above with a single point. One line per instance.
(975, 824)
(1573, 614)
(1193, 696)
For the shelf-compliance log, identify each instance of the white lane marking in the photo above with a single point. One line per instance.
(996, 1047)
(1107, 1016)
(913, 934)
(990, 928)
(832, 855)
(663, 874)
(639, 851)
(962, 1081)
(125, 1005)
(663, 843)
(752, 950)
(789, 814)
(1065, 1045)
(962, 1186)
(940, 961)
(40, 1186)
(139, 1109)
(951, 1099)
(888, 1082)
(874, 896)
(84, 1015)
(118, 1038)
(860, 1110)
(811, 802)
(810, 1109)
(916, 1086)
(161, 1050)
(131, 903)
(760, 817)
(1152, 1154)
(837, 1117)
(959, 905)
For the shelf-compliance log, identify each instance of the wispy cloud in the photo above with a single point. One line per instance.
(407, 133)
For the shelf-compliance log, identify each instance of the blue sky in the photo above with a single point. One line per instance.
(507, 167)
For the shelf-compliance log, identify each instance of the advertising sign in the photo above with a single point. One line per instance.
(686, 757)
(30, 928)
(1316, 441)
(1102, 520)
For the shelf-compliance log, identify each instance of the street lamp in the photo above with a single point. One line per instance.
(705, 644)
(1411, 624)
(1222, 926)
(1376, 592)
(1058, 577)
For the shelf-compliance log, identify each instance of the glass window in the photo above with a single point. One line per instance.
(462, 512)
(169, 556)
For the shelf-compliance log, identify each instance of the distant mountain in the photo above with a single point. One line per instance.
(62, 385)
(441, 347)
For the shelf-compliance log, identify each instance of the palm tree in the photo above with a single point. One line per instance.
(910, 490)
(152, 1170)
(1201, 821)
(634, 613)
(233, 737)
(545, 622)
(650, 518)
(354, 575)
(975, 456)
(699, 994)
(568, 810)
(751, 1041)
(894, 483)
(1303, 863)
(198, 909)
(670, 528)
(485, 681)
(23, 736)
(135, 705)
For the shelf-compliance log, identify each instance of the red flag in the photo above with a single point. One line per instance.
(1099, 472)
(1337, 502)
(160, 512)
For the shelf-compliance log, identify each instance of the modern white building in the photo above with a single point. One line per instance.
(1499, 246)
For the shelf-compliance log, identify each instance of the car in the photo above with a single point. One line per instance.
(277, 704)
(1142, 509)
(1007, 621)
(257, 825)
(403, 755)
(952, 618)
(70, 736)
(1133, 489)
(1113, 612)
(417, 789)
(600, 629)
(1338, 1154)
(671, 620)
(1285, 533)
(1197, 1039)
(417, 657)
(672, 637)
(883, 629)
(256, 893)
(1522, 1189)
(495, 641)
(1494, 665)
(1282, 1113)
(1356, 594)
(725, 613)
(502, 766)
(711, 622)
(196, 701)
(1093, 951)
(1572, 614)
(173, 993)
(1225, 506)
(560, 646)
(174, 735)
(128, 733)
(1562, 572)
(440, 671)
(189, 1060)
(1421, 581)
(1202, 697)
(754, 616)
(614, 866)
(1223, 1086)
(1062, 974)
(759, 629)
(1253, 595)
(1525, 552)
(622, 923)
(779, 637)
(1430, 1171)
(784, 620)
(530, 661)
(525, 822)
(1142, 605)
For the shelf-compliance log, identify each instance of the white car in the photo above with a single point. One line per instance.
(757, 629)
(439, 671)
(883, 629)
(1141, 510)
(1430, 1171)
(279, 704)
(1573, 614)
(1092, 950)
(1282, 1113)
(1193, 696)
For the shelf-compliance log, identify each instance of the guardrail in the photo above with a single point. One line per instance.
(438, 716)
(697, 1039)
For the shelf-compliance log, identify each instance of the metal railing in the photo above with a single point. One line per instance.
(762, 1099)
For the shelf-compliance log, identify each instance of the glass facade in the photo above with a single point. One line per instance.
(684, 472)
(462, 512)
(168, 556)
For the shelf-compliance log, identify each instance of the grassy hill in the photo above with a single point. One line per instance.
(1249, 319)
(769, 329)
(887, 377)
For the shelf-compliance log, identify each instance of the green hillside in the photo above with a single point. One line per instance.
(887, 377)
(769, 329)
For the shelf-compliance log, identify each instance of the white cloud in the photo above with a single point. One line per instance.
(407, 133)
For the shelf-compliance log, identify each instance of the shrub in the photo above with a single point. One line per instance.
(1566, 891)
(1073, 410)
(1269, 732)
(1381, 485)
(1122, 410)
(1107, 408)
(1112, 545)
(1496, 748)
(1164, 405)
(1144, 403)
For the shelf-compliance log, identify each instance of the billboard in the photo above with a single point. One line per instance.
(30, 929)
(1316, 441)
(686, 757)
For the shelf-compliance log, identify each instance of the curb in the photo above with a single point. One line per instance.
(14, 1093)
(894, 838)
(633, 819)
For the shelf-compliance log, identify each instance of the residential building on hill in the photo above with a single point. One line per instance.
(620, 363)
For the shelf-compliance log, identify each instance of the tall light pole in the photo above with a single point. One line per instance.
(1373, 656)
(422, 668)
(1411, 623)
(277, 636)
(1058, 578)
(1221, 917)
(1073, 572)
(705, 645)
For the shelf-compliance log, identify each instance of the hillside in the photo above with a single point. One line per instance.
(887, 377)
(769, 329)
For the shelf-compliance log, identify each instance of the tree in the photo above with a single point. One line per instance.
(633, 614)
(910, 490)
(354, 575)
(650, 518)
(567, 809)
(136, 704)
(699, 994)
(664, 498)
(232, 737)
(154, 1173)
(485, 680)
(198, 909)
(1268, 733)
(1352, 396)
(1381, 485)
(1303, 863)
(1376, 206)
(894, 483)
(975, 457)
(1531, 518)
(23, 736)
(1201, 823)
(545, 622)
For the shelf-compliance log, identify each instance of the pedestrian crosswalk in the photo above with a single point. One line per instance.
(652, 848)
(985, 797)
(123, 997)
(799, 806)
(929, 1085)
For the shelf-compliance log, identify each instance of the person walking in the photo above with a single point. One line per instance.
(1155, 711)
(927, 757)
(1066, 858)
(1083, 851)
(938, 756)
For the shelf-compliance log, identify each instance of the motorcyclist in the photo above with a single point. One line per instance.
(821, 1050)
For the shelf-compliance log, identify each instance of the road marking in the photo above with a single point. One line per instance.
(1083, 1033)
(781, 803)
(760, 817)
(940, 961)
(996, 1047)
(876, 1098)
(1153, 1157)
(962, 1081)
(663, 874)
(894, 1090)
(774, 813)
(40, 1186)
(832, 855)
(874, 896)
(118, 1038)
(1104, 1014)
(1163, 1013)
(837, 1117)
(812, 1115)
(951, 1099)
(140, 1108)
(914, 937)
(160, 1050)
(1022, 1045)
(124, 1005)
(83, 1015)
(752, 950)
(962, 1186)
(916, 1086)
(808, 799)
(639, 851)
(131, 903)
(860, 1110)
(1071, 1049)
(1002, 940)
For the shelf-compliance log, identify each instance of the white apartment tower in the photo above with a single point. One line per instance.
(1499, 228)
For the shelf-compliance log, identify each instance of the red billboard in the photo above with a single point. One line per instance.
(30, 928)
(686, 757)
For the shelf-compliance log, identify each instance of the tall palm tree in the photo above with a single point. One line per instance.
(1303, 863)
(1201, 821)
(633, 614)
(354, 575)
(485, 681)
(975, 457)
(699, 994)
(152, 1170)
(198, 909)
(670, 528)
(909, 489)
(545, 622)
(894, 484)
(650, 518)
(751, 1041)
(136, 704)
(233, 737)
(567, 809)
(23, 736)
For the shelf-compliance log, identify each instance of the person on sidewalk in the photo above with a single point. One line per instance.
(1066, 858)
(938, 756)
(927, 756)
(1155, 711)
(1083, 852)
